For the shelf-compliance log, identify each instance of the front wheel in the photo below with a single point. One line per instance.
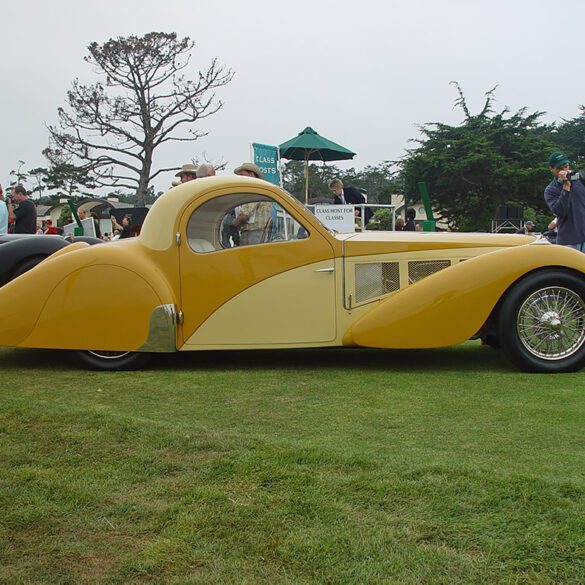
(542, 323)
(112, 361)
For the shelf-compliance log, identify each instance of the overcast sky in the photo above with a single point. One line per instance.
(362, 73)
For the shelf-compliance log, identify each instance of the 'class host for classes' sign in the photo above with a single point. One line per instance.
(340, 218)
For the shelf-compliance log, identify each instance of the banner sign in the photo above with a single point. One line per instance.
(266, 157)
(340, 218)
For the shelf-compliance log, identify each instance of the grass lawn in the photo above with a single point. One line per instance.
(336, 466)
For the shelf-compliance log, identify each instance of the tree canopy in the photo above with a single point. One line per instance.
(148, 97)
(488, 160)
(570, 134)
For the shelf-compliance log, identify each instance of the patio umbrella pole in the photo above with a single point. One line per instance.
(306, 177)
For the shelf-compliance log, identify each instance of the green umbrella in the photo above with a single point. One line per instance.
(309, 145)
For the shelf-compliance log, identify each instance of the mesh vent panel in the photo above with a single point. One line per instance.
(376, 279)
(419, 269)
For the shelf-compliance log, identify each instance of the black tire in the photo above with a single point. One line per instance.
(492, 341)
(26, 265)
(542, 322)
(112, 361)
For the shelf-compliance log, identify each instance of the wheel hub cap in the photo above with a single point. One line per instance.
(552, 320)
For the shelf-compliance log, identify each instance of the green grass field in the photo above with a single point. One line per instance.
(336, 466)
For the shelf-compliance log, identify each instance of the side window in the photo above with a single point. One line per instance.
(232, 221)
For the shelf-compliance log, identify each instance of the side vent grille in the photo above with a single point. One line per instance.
(376, 279)
(418, 270)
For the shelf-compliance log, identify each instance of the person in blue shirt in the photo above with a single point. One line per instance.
(565, 197)
(3, 214)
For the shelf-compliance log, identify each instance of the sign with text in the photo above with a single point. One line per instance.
(340, 218)
(266, 157)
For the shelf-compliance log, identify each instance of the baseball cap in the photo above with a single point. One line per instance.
(557, 159)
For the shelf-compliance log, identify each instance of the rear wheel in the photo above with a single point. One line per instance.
(542, 323)
(112, 361)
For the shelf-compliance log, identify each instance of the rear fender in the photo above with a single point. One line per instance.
(450, 306)
(98, 297)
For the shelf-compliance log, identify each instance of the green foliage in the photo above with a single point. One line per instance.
(62, 175)
(65, 217)
(488, 160)
(381, 220)
(570, 136)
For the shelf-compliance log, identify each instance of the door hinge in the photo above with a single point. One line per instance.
(178, 238)
(180, 318)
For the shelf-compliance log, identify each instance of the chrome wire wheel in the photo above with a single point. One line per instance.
(551, 323)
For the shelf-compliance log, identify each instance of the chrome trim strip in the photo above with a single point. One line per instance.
(162, 334)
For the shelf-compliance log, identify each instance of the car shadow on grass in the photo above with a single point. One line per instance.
(470, 357)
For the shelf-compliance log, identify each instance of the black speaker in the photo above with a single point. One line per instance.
(509, 212)
(515, 212)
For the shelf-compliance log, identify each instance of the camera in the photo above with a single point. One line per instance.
(575, 175)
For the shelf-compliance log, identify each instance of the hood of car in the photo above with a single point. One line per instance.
(372, 242)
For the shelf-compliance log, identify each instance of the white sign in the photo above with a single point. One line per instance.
(87, 224)
(340, 218)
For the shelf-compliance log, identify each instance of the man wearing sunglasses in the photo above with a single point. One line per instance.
(565, 197)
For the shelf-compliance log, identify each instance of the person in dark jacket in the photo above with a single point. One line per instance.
(565, 197)
(349, 196)
(410, 226)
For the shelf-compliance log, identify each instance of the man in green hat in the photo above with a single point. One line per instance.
(565, 197)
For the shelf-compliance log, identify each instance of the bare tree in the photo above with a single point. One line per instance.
(148, 99)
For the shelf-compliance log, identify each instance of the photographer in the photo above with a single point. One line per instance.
(125, 228)
(565, 197)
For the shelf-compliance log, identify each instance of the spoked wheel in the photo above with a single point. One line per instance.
(112, 360)
(542, 323)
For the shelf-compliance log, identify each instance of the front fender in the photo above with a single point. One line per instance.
(450, 306)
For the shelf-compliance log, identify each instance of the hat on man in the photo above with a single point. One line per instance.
(557, 159)
(188, 169)
(250, 167)
(528, 222)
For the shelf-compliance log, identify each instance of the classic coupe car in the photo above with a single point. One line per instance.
(237, 263)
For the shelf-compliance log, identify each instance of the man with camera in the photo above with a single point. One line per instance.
(565, 197)
(25, 215)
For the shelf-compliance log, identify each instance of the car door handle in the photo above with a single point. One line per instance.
(328, 269)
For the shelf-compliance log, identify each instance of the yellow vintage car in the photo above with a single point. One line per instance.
(237, 263)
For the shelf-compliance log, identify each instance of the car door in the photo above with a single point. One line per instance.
(253, 274)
